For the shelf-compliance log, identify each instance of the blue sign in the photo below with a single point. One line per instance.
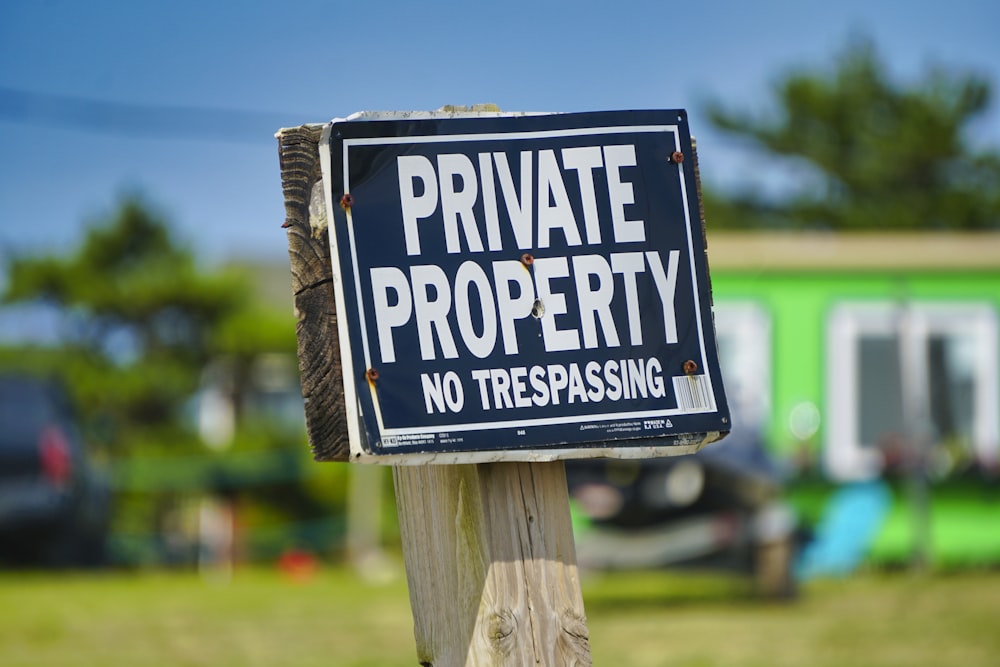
(523, 283)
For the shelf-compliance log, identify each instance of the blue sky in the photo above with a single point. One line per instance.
(160, 83)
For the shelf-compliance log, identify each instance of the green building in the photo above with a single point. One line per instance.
(871, 356)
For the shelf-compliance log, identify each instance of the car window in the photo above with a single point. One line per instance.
(25, 408)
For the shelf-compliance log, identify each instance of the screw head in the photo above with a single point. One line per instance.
(371, 374)
(347, 201)
(690, 367)
(677, 157)
(527, 259)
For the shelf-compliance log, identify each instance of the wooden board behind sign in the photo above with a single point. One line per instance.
(312, 288)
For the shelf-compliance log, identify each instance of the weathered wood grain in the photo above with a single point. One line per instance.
(491, 565)
(312, 286)
(701, 218)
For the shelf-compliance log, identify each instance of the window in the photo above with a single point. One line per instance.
(899, 374)
(743, 331)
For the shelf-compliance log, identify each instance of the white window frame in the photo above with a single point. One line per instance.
(845, 457)
(748, 324)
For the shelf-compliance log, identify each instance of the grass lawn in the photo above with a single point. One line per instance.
(635, 619)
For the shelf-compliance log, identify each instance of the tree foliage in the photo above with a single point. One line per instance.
(139, 318)
(880, 155)
(142, 330)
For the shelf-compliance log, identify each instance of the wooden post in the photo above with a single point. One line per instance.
(489, 552)
(491, 564)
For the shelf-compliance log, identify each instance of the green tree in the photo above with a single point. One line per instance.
(141, 323)
(879, 155)
(141, 328)
(137, 316)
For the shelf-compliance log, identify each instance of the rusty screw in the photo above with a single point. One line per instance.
(690, 367)
(346, 202)
(372, 374)
(677, 157)
(527, 259)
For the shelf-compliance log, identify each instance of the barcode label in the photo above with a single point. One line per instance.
(692, 393)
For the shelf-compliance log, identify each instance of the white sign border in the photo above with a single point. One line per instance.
(683, 443)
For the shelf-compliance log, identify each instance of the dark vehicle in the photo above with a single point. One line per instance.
(54, 504)
(719, 508)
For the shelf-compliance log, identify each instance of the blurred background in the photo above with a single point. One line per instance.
(150, 414)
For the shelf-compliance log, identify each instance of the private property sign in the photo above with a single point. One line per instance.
(521, 287)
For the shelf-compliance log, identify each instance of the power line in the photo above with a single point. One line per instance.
(139, 120)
